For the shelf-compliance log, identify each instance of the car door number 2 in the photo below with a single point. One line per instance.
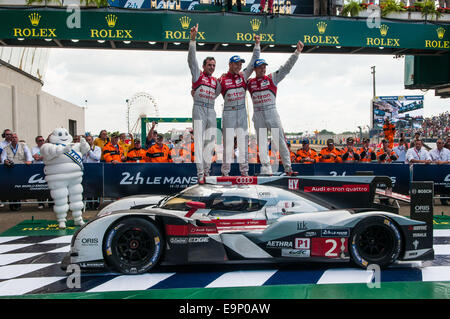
(330, 252)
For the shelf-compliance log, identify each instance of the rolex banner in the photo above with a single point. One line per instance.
(173, 26)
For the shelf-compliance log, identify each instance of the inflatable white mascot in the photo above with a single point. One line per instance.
(64, 173)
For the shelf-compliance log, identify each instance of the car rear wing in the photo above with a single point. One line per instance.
(390, 194)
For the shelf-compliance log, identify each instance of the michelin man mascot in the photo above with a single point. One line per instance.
(64, 173)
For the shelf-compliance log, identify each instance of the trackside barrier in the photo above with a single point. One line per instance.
(109, 180)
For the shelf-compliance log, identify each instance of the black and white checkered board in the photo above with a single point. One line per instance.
(31, 265)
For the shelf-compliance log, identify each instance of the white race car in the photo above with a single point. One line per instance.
(241, 219)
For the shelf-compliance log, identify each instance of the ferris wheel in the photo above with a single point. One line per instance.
(140, 105)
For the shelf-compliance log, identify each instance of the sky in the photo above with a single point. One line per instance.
(322, 91)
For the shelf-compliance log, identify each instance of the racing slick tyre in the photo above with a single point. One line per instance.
(133, 246)
(375, 240)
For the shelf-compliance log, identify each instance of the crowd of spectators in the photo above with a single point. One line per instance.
(433, 127)
(124, 148)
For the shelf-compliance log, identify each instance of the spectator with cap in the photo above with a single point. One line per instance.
(330, 154)
(113, 152)
(159, 152)
(350, 154)
(101, 141)
(36, 150)
(305, 154)
(401, 150)
(366, 153)
(440, 155)
(137, 154)
(417, 154)
(385, 154)
(95, 152)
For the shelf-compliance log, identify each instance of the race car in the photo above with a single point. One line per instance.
(250, 219)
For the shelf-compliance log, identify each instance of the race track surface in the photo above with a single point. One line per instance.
(30, 267)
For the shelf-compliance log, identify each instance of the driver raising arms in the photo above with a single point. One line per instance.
(234, 117)
(205, 89)
(263, 90)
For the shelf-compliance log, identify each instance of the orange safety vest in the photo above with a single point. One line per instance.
(156, 154)
(325, 152)
(312, 154)
(111, 153)
(352, 157)
(369, 155)
(387, 158)
(137, 156)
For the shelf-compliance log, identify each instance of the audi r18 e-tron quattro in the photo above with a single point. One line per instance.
(242, 219)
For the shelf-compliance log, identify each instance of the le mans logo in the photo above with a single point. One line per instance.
(111, 32)
(440, 32)
(184, 33)
(255, 25)
(34, 32)
(383, 41)
(321, 38)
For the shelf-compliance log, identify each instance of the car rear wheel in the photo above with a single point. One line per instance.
(375, 240)
(133, 246)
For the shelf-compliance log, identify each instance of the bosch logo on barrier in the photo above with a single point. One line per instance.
(245, 180)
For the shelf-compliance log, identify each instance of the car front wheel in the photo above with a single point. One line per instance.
(133, 246)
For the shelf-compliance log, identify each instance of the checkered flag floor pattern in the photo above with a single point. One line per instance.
(31, 265)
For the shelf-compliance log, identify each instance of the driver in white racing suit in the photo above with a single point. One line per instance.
(234, 117)
(205, 89)
(263, 90)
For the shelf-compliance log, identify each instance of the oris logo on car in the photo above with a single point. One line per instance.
(89, 241)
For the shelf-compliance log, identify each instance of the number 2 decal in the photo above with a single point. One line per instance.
(329, 247)
(331, 253)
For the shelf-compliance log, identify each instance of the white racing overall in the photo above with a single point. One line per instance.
(205, 89)
(265, 116)
(234, 115)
